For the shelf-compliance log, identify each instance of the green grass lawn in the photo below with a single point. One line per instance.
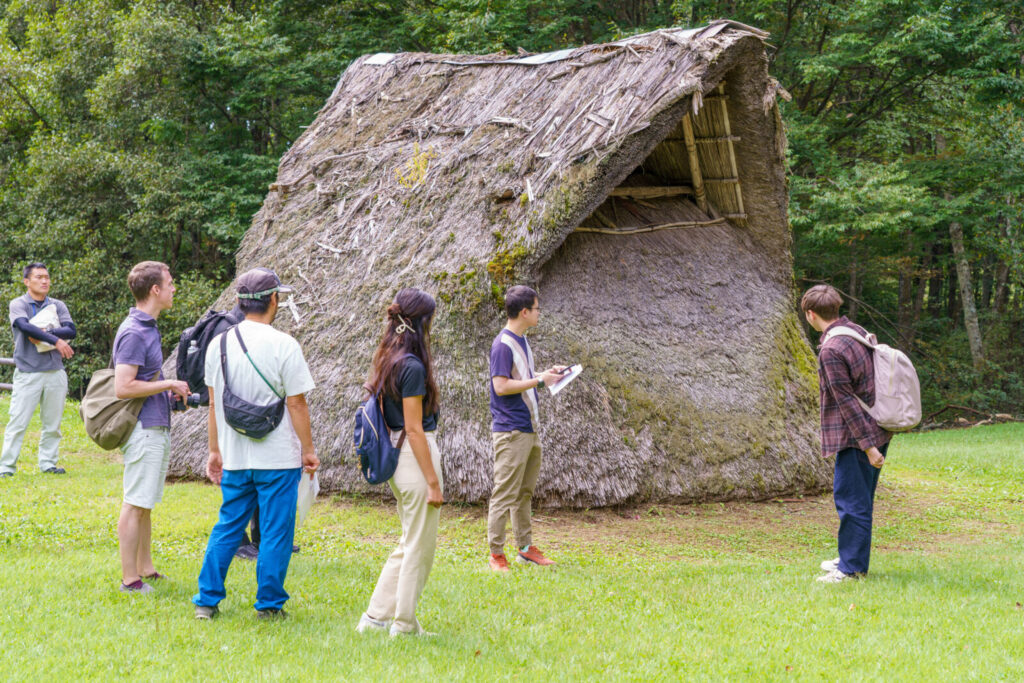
(716, 591)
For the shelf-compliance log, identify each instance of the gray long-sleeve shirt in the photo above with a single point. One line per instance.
(26, 357)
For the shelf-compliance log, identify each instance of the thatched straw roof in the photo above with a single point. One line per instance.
(638, 185)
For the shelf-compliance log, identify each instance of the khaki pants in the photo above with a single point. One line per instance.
(516, 466)
(46, 390)
(405, 572)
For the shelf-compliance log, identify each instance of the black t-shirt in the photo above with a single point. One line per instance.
(412, 381)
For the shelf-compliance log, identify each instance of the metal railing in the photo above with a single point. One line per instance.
(4, 386)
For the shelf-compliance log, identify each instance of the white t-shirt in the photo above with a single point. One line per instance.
(279, 357)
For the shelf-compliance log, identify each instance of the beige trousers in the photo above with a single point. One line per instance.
(405, 572)
(516, 466)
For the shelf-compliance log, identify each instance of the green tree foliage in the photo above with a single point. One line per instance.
(151, 128)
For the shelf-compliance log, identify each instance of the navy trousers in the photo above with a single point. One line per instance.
(275, 492)
(854, 492)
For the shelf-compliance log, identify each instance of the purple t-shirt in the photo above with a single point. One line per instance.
(138, 343)
(511, 413)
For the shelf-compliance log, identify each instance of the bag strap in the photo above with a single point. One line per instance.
(843, 331)
(251, 362)
(401, 436)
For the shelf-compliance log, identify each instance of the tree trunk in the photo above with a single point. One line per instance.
(921, 283)
(851, 305)
(987, 273)
(1002, 277)
(904, 302)
(952, 295)
(935, 288)
(963, 270)
(1003, 273)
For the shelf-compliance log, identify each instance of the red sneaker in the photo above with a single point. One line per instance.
(532, 554)
(498, 562)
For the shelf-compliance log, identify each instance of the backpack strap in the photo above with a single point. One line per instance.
(238, 335)
(401, 436)
(224, 357)
(842, 331)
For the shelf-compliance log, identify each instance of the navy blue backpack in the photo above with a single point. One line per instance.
(377, 457)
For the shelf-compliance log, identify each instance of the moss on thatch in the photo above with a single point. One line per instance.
(638, 185)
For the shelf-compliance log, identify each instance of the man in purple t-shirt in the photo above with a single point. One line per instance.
(137, 361)
(514, 385)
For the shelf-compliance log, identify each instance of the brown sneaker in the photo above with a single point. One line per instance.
(499, 562)
(532, 554)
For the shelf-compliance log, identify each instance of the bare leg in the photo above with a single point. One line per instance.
(144, 558)
(128, 528)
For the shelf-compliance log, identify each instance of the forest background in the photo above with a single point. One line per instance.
(151, 130)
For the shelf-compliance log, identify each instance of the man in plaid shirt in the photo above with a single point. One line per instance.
(846, 372)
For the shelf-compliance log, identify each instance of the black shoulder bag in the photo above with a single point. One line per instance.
(247, 418)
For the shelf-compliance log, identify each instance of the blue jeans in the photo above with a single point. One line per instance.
(275, 492)
(854, 492)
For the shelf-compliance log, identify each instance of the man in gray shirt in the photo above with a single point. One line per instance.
(39, 377)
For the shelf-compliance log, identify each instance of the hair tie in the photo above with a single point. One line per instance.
(405, 326)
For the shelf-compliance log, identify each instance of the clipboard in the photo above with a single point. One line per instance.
(574, 372)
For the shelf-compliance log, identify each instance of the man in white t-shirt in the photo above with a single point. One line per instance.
(253, 472)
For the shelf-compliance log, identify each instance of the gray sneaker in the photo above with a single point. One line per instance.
(6, 474)
(136, 587)
(830, 565)
(54, 470)
(205, 612)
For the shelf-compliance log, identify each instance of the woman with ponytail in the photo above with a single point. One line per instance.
(403, 372)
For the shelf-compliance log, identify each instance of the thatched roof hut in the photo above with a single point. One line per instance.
(638, 185)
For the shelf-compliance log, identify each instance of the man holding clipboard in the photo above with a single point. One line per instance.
(517, 452)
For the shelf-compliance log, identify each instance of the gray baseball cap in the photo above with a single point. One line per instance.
(260, 282)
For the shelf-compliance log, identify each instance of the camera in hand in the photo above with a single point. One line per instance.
(191, 402)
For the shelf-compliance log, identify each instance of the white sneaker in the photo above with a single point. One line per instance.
(421, 633)
(368, 624)
(836, 576)
(830, 565)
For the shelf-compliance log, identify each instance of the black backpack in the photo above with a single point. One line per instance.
(192, 346)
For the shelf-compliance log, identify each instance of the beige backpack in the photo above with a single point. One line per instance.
(897, 405)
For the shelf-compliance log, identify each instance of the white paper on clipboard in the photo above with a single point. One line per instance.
(574, 372)
(309, 487)
(46, 319)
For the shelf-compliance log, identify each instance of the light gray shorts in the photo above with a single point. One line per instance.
(146, 457)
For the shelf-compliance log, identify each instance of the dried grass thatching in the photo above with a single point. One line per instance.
(638, 185)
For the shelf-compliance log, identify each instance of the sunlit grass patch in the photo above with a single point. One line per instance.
(714, 591)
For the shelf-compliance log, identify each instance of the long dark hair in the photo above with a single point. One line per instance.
(406, 331)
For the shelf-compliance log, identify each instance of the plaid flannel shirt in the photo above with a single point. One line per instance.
(846, 371)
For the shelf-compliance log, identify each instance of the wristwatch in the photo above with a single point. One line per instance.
(540, 383)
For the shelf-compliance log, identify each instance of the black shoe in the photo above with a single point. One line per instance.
(6, 474)
(247, 551)
(54, 470)
(271, 614)
(295, 548)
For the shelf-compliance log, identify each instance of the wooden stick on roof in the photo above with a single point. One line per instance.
(732, 150)
(691, 153)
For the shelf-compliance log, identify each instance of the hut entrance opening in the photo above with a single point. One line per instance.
(663, 271)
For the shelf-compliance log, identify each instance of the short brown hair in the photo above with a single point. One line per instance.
(144, 275)
(824, 300)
